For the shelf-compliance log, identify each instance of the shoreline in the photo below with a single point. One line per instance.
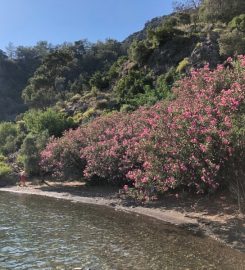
(226, 227)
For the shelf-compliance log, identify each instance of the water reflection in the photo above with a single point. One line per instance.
(44, 233)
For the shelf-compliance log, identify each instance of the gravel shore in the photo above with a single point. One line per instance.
(213, 217)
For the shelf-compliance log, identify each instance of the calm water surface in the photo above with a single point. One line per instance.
(45, 233)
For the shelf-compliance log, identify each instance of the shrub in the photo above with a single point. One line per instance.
(99, 81)
(183, 65)
(162, 34)
(5, 169)
(139, 52)
(232, 43)
(184, 143)
(135, 82)
(76, 98)
(8, 133)
(89, 113)
(5, 172)
(125, 108)
(221, 10)
(191, 143)
(78, 118)
(54, 122)
(61, 157)
(238, 23)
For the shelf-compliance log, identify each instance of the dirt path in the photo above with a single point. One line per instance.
(214, 217)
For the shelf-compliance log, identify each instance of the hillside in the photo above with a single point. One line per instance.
(140, 70)
(47, 90)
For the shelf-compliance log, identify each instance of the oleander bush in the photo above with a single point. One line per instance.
(193, 140)
(183, 143)
(61, 157)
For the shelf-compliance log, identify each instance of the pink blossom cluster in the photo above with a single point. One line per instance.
(61, 157)
(182, 143)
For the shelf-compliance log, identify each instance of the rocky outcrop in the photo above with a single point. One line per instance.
(171, 53)
(206, 51)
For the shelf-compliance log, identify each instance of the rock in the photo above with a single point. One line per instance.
(206, 51)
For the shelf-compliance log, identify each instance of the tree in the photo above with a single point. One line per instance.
(11, 50)
(139, 52)
(30, 152)
(42, 91)
(8, 133)
(184, 5)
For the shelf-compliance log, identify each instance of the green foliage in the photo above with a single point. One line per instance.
(164, 83)
(71, 68)
(149, 97)
(183, 18)
(88, 114)
(8, 133)
(5, 169)
(99, 81)
(2, 158)
(186, 5)
(162, 34)
(139, 51)
(125, 108)
(51, 121)
(135, 82)
(16, 67)
(29, 155)
(238, 23)
(182, 65)
(231, 43)
(76, 98)
(50, 79)
(221, 10)
(116, 67)
(78, 118)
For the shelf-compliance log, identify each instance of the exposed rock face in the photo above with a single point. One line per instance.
(206, 51)
(171, 53)
(128, 65)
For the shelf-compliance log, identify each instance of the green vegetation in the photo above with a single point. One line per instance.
(47, 90)
(8, 136)
(5, 169)
(221, 10)
(182, 65)
(53, 122)
(29, 154)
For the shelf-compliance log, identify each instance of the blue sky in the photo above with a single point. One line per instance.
(24, 22)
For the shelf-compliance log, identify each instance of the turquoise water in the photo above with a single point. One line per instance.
(44, 233)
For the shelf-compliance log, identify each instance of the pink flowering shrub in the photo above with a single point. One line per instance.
(61, 157)
(114, 151)
(193, 139)
(183, 143)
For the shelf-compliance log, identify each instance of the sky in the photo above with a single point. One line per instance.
(24, 22)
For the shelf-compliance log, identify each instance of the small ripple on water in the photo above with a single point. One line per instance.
(42, 233)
